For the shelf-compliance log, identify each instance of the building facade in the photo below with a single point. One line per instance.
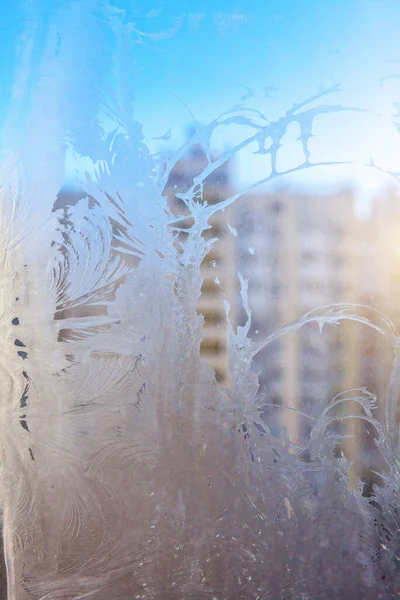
(218, 269)
(303, 251)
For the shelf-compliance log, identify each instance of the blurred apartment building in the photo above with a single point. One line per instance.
(302, 251)
(219, 267)
(298, 253)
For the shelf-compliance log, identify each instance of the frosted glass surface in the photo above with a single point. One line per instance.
(200, 283)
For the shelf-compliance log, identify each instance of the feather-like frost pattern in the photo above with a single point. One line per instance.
(127, 470)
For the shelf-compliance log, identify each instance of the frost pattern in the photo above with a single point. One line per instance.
(127, 471)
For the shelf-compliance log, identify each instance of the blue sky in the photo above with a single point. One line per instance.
(294, 46)
(220, 47)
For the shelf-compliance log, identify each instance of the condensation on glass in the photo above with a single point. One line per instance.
(200, 270)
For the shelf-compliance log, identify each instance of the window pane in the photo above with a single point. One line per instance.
(200, 225)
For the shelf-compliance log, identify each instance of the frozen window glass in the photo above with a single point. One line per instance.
(200, 284)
